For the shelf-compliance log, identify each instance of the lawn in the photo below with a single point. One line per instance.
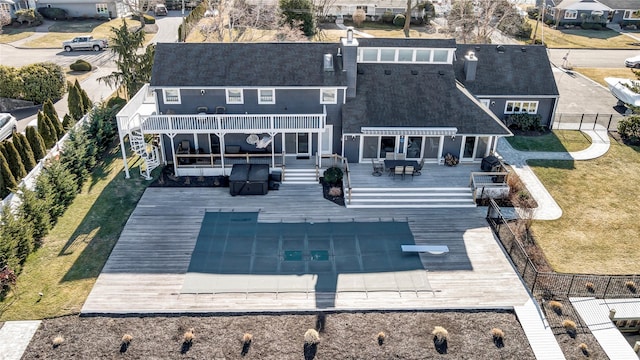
(65, 268)
(598, 230)
(598, 74)
(578, 38)
(10, 35)
(557, 140)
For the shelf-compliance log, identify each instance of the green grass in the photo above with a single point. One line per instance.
(10, 35)
(577, 38)
(598, 74)
(65, 268)
(598, 231)
(67, 30)
(556, 141)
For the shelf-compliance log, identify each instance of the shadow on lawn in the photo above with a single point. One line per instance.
(104, 221)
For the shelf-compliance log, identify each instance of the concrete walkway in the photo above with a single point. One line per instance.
(15, 336)
(547, 208)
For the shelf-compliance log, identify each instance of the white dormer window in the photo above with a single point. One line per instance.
(405, 55)
(328, 96)
(234, 96)
(571, 14)
(171, 96)
(387, 55)
(440, 56)
(266, 96)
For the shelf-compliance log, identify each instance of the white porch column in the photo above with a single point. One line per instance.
(273, 143)
(320, 149)
(173, 154)
(124, 155)
(221, 136)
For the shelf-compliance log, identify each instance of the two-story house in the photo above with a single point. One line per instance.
(209, 106)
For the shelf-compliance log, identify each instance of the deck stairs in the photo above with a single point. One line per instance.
(300, 176)
(148, 153)
(411, 197)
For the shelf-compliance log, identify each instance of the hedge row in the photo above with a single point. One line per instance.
(24, 229)
(35, 82)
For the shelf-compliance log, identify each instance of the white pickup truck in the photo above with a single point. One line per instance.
(85, 43)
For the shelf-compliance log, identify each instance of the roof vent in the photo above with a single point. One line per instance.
(387, 72)
(523, 49)
(477, 48)
(327, 63)
(360, 71)
(414, 72)
(441, 72)
(500, 49)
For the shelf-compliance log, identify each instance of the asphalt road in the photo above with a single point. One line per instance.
(590, 58)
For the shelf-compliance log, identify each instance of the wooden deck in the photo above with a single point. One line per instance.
(432, 175)
(147, 267)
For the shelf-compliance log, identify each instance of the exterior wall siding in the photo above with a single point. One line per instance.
(545, 108)
(79, 10)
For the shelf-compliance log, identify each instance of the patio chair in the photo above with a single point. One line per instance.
(408, 170)
(418, 170)
(398, 170)
(378, 168)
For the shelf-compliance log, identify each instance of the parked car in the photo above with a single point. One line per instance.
(86, 42)
(8, 125)
(160, 10)
(633, 62)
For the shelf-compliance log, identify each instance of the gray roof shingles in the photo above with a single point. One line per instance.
(429, 98)
(621, 4)
(244, 64)
(512, 72)
(407, 42)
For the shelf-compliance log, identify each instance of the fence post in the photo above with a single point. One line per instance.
(594, 122)
(609, 124)
(535, 280)
(604, 295)
(581, 119)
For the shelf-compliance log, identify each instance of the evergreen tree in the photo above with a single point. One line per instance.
(58, 187)
(34, 211)
(75, 103)
(133, 67)
(78, 155)
(25, 151)
(46, 130)
(50, 110)
(86, 102)
(14, 160)
(36, 142)
(9, 181)
(15, 228)
(67, 122)
(299, 12)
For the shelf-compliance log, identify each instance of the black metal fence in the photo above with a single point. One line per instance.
(565, 121)
(549, 285)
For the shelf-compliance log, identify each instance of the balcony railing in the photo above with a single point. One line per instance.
(230, 123)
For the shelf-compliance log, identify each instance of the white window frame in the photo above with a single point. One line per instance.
(628, 15)
(232, 100)
(168, 98)
(335, 96)
(273, 96)
(570, 14)
(414, 56)
(532, 107)
(5, 8)
(102, 8)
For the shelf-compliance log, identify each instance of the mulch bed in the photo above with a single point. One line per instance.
(281, 337)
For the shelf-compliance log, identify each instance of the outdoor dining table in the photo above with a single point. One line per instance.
(391, 164)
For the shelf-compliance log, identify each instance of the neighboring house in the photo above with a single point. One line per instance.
(509, 79)
(89, 8)
(601, 12)
(361, 98)
(10, 6)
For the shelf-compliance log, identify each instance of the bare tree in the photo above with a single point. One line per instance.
(140, 7)
(476, 20)
(359, 16)
(236, 20)
(323, 9)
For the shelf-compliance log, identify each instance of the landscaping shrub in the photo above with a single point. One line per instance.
(629, 128)
(116, 103)
(34, 212)
(524, 121)
(359, 16)
(29, 16)
(533, 12)
(13, 159)
(333, 175)
(67, 122)
(387, 17)
(76, 107)
(399, 20)
(52, 114)
(16, 231)
(102, 126)
(87, 104)
(556, 306)
(381, 337)
(311, 337)
(80, 65)
(11, 82)
(79, 155)
(42, 81)
(46, 130)
(148, 19)
(7, 182)
(58, 187)
(53, 13)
